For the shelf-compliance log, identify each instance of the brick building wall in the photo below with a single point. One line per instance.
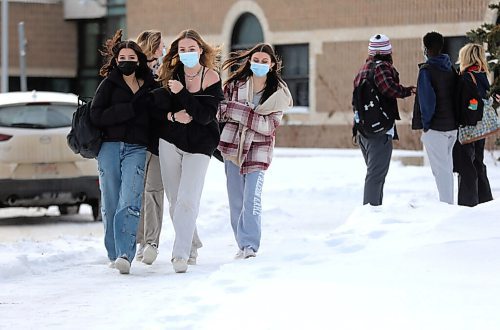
(171, 17)
(286, 15)
(51, 41)
(337, 32)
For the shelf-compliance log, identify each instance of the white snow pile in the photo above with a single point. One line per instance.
(326, 261)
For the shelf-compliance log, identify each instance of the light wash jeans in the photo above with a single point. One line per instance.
(245, 208)
(121, 179)
(439, 148)
(183, 176)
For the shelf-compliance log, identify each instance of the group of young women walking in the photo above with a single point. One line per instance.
(160, 111)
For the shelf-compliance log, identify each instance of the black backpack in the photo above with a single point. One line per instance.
(84, 138)
(370, 119)
(470, 102)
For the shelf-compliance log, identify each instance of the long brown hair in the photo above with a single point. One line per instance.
(241, 60)
(112, 48)
(209, 58)
(149, 41)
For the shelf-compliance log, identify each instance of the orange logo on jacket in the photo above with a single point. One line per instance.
(473, 104)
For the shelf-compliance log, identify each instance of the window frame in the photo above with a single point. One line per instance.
(296, 79)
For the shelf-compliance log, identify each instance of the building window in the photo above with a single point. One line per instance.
(62, 84)
(452, 46)
(90, 40)
(116, 17)
(247, 32)
(295, 72)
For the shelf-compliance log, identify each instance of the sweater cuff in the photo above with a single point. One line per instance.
(183, 96)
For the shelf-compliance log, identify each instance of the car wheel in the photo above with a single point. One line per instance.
(68, 209)
(96, 209)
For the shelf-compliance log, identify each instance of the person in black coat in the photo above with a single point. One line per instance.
(189, 133)
(121, 109)
(473, 183)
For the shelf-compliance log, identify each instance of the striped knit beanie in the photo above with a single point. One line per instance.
(379, 44)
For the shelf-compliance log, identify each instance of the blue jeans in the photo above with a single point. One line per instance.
(245, 208)
(121, 179)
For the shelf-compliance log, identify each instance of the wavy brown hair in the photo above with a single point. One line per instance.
(210, 57)
(149, 41)
(240, 60)
(110, 52)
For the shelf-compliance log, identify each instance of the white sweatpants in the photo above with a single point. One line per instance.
(439, 148)
(183, 176)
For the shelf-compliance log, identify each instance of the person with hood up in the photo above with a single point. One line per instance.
(435, 112)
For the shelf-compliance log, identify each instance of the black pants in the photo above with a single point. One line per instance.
(473, 184)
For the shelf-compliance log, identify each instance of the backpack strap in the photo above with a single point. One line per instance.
(371, 72)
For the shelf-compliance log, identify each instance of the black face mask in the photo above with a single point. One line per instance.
(127, 67)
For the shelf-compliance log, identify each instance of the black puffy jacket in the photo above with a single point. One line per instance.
(202, 134)
(122, 115)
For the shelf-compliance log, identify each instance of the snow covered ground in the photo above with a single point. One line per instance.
(326, 261)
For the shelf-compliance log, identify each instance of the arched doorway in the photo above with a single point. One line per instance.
(247, 32)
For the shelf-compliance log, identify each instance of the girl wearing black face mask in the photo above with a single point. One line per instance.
(121, 109)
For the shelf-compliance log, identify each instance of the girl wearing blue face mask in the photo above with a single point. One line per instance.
(148, 232)
(255, 99)
(153, 47)
(186, 108)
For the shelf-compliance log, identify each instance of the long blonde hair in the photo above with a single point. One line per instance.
(149, 41)
(210, 57)
(472, 54)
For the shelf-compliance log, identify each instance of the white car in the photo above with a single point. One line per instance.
(37, 168)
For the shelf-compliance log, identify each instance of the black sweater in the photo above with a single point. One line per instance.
(122, 115)
(202, 134)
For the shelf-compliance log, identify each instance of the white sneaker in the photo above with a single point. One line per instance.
(192, 257)
(149, 254)
(111, 264)
(180, 265)
(140, 250)
(239, 254)
(123, 265)
(248, 252)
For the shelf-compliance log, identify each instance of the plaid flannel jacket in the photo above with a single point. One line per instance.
(249, 134)
(387, 81)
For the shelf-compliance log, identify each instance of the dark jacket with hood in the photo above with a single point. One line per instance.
(122, 115)
(436, 95)
(202, 134)
(483, 85)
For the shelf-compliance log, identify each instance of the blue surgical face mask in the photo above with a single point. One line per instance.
(258, 69)
(189, 59)
(163, 54)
